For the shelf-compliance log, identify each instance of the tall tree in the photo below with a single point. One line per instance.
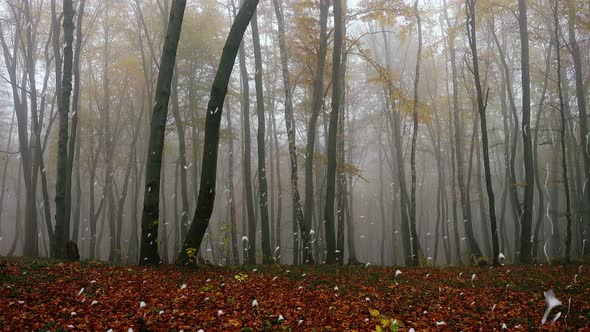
(206, 197)
(250, 241)
(582, 114)
(529, 174)
(60, 237)
(481, 105)
(568, 215)
(290, 125)
(262, 183)
(73, 146)
(458, 126)
(316, 105)
(332, 136)
(150, 214)
(416, 250)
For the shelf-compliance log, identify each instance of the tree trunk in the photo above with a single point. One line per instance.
(149, 219)
(182, 155)
(332, 136)
(72, 147)
(230, 194)
(316, 104)
(583, 132)
(290, 125)
(60, 237)
(212, 123)
(249, 242)
(5, 171)
(527, 215)
(262, 182)
(568, 215)
(481, 104)
(416, 249)
(540, 194)
(163, 221)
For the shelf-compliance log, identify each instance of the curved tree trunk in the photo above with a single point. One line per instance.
(206, 197)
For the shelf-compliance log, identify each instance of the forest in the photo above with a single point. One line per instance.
(295, 144)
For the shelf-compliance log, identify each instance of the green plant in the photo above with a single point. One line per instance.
(192, 254)
(241, 277)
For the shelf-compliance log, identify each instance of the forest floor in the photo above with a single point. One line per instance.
(48, 295)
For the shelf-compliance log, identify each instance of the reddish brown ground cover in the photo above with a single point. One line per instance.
(48, 295)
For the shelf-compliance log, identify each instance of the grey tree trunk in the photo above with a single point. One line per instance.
(249, 243)
(73, 145)
(568, 215)
(459, 147)
(231, 195)
(416, 249)
(529, 174)
(316, 104)
(262, 182)
(5, 171)
(540, 193)
(512, 180)
(290, 125)
(582, 114)
(60, 237)
(150, 215)
(182, 155)
(331, 256)
(482, 105)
